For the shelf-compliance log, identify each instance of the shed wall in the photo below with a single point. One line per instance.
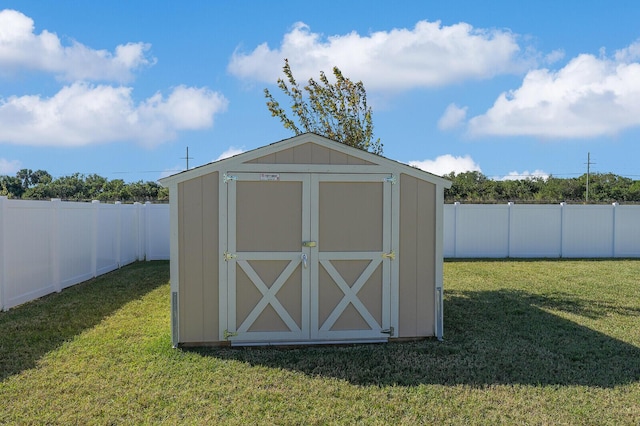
(417, 257)
(198, 259)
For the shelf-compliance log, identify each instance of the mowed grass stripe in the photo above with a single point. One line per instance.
(528, 342)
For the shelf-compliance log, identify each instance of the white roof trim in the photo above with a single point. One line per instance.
(237, 160)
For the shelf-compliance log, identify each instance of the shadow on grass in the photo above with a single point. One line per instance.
(491, 338)
(29, 331)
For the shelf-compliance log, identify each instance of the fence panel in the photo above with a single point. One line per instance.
(535, 231)
(627, 231)
(46, 246)
(108, 235)
(157, 231)
(449, 230)
(587, 231)
(27, 266)
(482, 230)
(77, 247)
(129, 244)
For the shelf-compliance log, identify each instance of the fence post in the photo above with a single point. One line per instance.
(119, 233)
(147, 229)
(613, 231)
(94, 238)
(562, 236)
(509, 227)
(54, 244)
(138, 240)
(3, 269)
(455, 229)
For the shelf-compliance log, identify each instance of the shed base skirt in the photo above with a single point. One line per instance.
(309, 342)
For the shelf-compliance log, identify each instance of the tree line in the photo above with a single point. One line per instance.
(40, 185)
(467, 187)
(474, 187)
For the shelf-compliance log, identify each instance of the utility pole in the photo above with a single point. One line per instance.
(187, 158)
(589, 163)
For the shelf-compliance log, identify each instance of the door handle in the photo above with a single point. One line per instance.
(304, 260)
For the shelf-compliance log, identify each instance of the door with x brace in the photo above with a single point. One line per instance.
(351, 286)
(308, 257)
(268, 278)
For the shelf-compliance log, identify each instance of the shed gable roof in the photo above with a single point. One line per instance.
(315, 152)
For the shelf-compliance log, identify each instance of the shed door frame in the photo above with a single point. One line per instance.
(310, 330)
(290, 261)
(322, 330)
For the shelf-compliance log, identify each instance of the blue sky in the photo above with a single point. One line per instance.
(512, 89)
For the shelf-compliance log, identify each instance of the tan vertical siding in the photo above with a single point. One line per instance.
(302, 154)
(198, 245)
(267, 159)
(309, 153)
(426, 243)
(321, 155)
(284, 157)
(416, 257)
(407, 257)
(269, 216)
(337, 157)
(210, 230)
(349, 228)
(355, 161)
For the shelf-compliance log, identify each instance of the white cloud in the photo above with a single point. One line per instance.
(428, 55)
(186, 108)
(554, 56)
(590, 96)
(445, 164)
(230, 152)
(83, 114)
(9, 167)
(22, 49)
(629, 53)
(453, 117)
(523, 175)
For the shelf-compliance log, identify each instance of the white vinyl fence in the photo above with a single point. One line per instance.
(46, 246)
(541, 231)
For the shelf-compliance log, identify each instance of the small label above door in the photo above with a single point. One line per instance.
(270, 176)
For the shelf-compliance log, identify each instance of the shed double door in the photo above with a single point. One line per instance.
(308, 257)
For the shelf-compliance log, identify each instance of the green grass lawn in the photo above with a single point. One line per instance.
(526, 342)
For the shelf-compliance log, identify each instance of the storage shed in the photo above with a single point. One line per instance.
(306, 240)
